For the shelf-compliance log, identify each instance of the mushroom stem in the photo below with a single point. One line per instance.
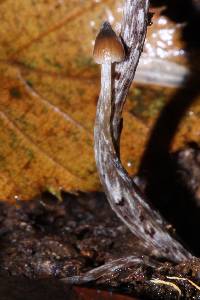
(106, 89)
(103, 117)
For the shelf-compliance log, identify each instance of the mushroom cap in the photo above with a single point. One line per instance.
(108, 47)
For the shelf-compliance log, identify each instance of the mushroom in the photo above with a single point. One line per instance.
(108, 46)
(123, 194)
(108, 49)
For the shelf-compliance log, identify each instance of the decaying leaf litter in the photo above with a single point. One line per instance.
(16, 93)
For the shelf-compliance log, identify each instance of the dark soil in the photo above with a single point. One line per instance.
(20, 288)
(44, 238)
(43, 241)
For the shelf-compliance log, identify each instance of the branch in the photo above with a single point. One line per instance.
(133, 33)
(123, 195)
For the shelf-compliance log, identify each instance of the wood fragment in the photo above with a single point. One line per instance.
(124, 196)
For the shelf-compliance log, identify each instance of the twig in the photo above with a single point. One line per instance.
(107, 271)
(124, 196)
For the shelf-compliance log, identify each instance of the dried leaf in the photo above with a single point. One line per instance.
(49, 87)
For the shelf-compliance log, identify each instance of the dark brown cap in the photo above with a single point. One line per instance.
(108, 46)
